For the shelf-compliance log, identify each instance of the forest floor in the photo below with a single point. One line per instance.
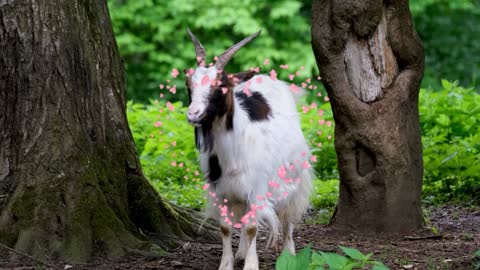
(452, 248)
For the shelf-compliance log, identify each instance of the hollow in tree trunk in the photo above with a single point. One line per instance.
(71, 185)
(371, 61)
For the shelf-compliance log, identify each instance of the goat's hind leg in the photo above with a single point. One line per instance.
(287, 243)
(227, 255)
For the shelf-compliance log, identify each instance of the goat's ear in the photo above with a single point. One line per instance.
(244, 75)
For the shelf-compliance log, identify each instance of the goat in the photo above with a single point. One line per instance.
(252, 152)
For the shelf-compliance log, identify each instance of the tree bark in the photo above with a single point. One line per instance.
(71, 185)
(371, 61)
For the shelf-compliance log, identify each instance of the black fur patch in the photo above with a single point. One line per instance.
(255, 105)
(197, 138)
(214, 169)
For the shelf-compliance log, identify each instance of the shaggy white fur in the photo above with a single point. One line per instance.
(250, 156)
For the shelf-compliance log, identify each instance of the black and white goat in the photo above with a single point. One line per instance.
(252, 152)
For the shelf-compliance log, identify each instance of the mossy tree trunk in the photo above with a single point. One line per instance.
(371, 61)
(71, 185)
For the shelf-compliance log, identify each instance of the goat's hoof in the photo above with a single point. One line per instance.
(226, 264)
(250, 267)
(239, 256)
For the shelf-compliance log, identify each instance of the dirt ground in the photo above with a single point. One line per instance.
(459, 238)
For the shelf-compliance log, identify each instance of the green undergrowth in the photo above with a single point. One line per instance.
(450, 121)
(307, 259)
(166, 145)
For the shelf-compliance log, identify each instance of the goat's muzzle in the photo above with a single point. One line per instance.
(195, 117)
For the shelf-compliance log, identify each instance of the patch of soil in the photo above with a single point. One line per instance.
(453, 248)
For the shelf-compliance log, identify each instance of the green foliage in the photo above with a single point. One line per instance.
(325, 193)
(152, 38)
(318, 131)
(449, 31)
(450, 121)
(287, 261)
(306, 259)
(421, 6)
(167, 151)
(323, 200)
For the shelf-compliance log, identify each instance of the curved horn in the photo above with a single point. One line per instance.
(199, 50)
(228, 54)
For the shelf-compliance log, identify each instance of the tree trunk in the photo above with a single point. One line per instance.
(371, 61)
(71, 185)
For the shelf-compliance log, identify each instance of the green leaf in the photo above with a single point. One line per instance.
(446, 85)
(287, 261)
(380, 266)
(318, 262)
(285, 9)
(353, 253)
(443, 120)
(334, 260)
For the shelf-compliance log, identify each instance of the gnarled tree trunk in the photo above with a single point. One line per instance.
(371, 61)
(71, 185)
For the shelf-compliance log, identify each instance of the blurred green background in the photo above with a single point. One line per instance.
(152, 38)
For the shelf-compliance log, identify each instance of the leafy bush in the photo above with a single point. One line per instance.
(323, 200)
(152, 39)
(449, 32)
(151, 35)
(317, 126)
(306, 259)
(450, 121)
(165, 143)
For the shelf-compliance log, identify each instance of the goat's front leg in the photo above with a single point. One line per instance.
(227, 255)
(243, 246)
(251, 259)
(287, 242)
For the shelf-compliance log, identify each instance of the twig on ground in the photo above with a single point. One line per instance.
(415, 238)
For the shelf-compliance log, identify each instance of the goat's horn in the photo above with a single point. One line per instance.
(228, 54)
(199, 50)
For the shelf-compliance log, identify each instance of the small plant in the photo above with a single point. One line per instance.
(476, 260)
(402, 261)
(301, 261)
(308, 260)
